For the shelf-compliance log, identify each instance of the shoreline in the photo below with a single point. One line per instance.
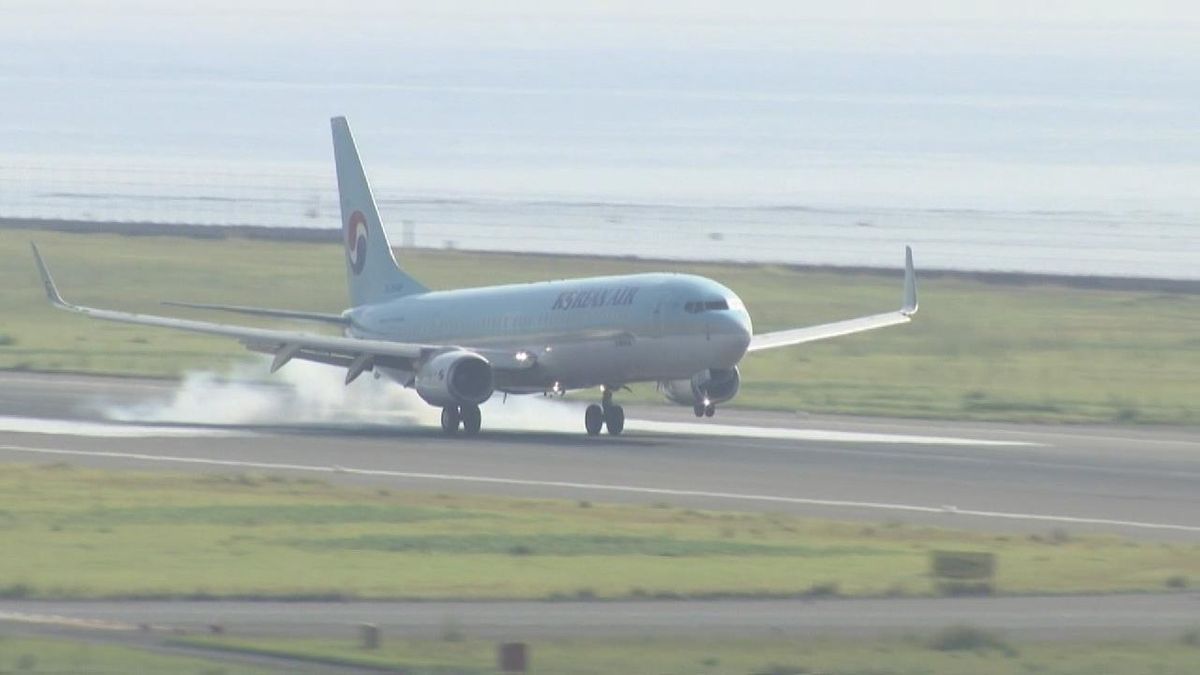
(329, 236)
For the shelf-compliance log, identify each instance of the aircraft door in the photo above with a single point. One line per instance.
(658, 324)
(665, 306)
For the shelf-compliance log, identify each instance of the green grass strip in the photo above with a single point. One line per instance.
(80, 533)
(928, 651)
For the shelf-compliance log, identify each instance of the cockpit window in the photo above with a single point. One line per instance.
(697, 306)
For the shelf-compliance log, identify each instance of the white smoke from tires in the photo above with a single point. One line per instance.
(311, 394)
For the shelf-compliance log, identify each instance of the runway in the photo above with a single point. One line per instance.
(1052, 618)
(1131, 481)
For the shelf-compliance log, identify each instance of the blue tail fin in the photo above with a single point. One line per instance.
(371, 270)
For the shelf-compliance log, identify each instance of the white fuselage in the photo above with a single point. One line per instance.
(581, 332)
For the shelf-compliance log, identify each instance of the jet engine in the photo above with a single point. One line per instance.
(713, 386)
(455, 378)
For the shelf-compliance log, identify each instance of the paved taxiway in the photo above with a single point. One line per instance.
(1138, 482)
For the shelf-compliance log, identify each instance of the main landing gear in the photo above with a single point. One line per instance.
(607, 414)
(467, 415)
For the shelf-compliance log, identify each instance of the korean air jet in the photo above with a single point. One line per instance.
(458, 348)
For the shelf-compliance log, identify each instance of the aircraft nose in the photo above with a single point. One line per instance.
(735, 331)
(743, 331)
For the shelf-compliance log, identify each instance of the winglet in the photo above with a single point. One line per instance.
(910, 284)
(47, 280)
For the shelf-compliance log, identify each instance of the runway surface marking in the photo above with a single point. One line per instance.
(56, 427)
(792, 434)
(602, 487)
(63, 427)
(64, 621)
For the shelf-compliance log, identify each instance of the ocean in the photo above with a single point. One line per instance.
(980, 162)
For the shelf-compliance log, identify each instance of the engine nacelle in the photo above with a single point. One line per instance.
(718, 386)
(455, 378)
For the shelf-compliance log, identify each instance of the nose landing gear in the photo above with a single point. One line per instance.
(607, 414)
(706, 409)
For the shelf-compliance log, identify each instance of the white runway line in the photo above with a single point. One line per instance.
(54, 427)
(792, 434)
(65, 621)
(60, 427)
(602, 487)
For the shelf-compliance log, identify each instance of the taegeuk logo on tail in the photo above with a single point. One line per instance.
(356, 241)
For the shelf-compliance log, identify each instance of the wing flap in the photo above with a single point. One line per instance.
(325, 343)
(267, 312)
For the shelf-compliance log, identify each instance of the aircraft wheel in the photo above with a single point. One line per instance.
(710, 410)
(450, 419)
(593, 419)
(614, 419)
(698, 409)
(472, 419)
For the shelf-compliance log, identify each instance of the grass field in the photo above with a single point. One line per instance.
(978, 350)
(949, 652)
(20, 655)
(76, 533)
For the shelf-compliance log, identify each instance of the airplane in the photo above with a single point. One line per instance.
(457, 348)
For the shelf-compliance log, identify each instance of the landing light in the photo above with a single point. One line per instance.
(707, 402)
(522, 357)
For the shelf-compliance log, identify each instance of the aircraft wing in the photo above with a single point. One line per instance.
(355, 354)
(797, 336)
(261, 311)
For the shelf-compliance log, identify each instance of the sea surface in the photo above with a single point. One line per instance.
(1081, 166)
